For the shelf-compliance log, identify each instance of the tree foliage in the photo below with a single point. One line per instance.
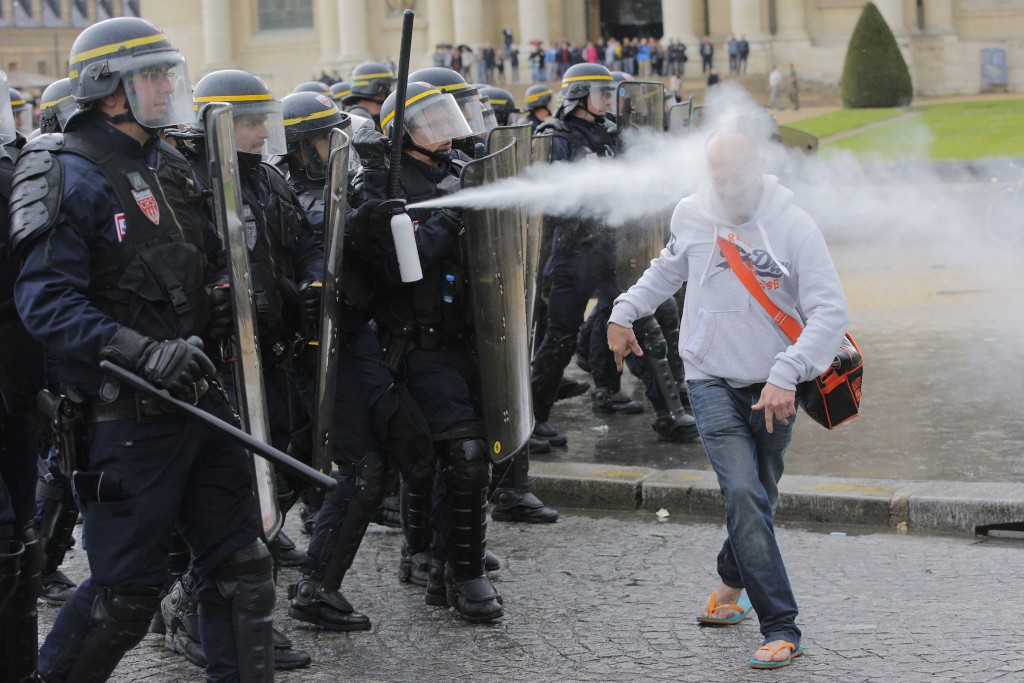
(875, 73)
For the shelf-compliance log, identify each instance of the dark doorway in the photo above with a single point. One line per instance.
(631, 19)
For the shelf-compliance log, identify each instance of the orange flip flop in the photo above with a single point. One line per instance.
(741, 609)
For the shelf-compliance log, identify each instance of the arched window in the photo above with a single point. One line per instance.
(284, 14)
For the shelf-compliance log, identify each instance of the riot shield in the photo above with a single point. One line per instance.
(328, 335)
(679, 117)
(500, 138)
(641, 107)
(535, 253)
(798, 139)
(494, 246)
(247, 367)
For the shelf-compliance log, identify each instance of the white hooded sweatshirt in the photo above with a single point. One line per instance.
(725, 333)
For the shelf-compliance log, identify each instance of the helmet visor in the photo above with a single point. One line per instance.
(601, 98)
(437, 119)
(473, 111)
(259, 127)
(358, 122)
(490, 119)
(62, 109)
(315, 150)
(158, 89)
(7, 129)
(24, 122)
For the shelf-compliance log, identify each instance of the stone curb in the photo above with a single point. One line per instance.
(925, 506)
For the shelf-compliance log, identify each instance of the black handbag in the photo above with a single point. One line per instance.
(831, 398)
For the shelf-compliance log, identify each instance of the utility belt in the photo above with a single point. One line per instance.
(142, 408)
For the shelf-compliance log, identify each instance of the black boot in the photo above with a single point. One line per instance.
(614, 402)
(326, 608)
(513, 500)
(468, 589)
(284, 551)
(413, 566)
(287, 657)
(19, 619)
(681, 429)
(436, 594)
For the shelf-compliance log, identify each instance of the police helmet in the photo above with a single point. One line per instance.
(502, 102)
(538, 96)
(22, 108)
(56, 105)
(309, 118)
(132, 52)
(312, 86)
(259, 125)
(339, 91)
(449, 81)
(370, 80)
(7, 130)
(490, 120)
(621, 76)
(590, 84)
(431, 116)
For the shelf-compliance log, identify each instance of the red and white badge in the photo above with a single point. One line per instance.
(120, 226)
(147, 202)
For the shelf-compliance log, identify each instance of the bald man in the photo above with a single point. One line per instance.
(741, 369)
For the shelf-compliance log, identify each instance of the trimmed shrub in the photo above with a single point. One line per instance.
(875, 74)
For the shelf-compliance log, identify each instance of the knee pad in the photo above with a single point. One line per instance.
(468, 466)
(371, 480)
(246, 579)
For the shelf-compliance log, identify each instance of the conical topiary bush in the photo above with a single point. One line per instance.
(875, 74)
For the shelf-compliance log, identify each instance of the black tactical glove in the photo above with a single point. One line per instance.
(309, 303)
(222, 323)
(173, 365)
(373, 216)
(373, 147)
(452, 220)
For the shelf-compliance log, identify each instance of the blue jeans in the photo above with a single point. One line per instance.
(748, 462)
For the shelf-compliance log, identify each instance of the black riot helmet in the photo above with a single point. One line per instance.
(312, 86)
(538, 96)
(308, 120)
(56, 106)
(451, 82)
(590, 86)
(259, 126)
(502, 102)
(134, 53)
(370, 81)
(339, 91)
(431, 117)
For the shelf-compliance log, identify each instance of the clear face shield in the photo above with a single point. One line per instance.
(24, 122)
(490, 120)
(601, 99)
(315, 151)
(436, 120)
(353, 156)
(473, 112)
(158, 89)
(259, 127)
(62, 109)
(7, 130)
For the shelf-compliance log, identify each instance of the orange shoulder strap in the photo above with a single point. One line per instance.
(790, 327)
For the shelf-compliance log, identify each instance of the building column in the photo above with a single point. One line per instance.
(892, 12)
(790, 20)
(439, 24)
(353, 31)
(533, 23)
(746, 19)
(468, 18)
(218, 43)
(326, 21)
(938, 17)
(677, 21)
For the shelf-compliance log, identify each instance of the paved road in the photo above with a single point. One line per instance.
(613, 598)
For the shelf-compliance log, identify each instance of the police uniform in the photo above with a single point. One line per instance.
(110, 269)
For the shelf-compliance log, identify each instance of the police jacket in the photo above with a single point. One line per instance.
(117, 240)
(576, 139)
(435, 311)
(283, 249)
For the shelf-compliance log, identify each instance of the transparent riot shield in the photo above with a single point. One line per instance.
(328, 337)
(641, 106)
(535, 256)
(494, 246)
(679, 117)
(247, 366)
(798, 139)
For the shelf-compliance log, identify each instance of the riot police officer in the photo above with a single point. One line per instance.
(56, 105)
(537, 107)
(21, 376)
(502, 103)
(371, 430)
(312, 86)
(339, 91)
(469, 101)
(371, 84)
(427, 341)
(285, 259)
(22, 108)
(113, 270)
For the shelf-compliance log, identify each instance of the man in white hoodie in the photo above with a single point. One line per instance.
(741, 369)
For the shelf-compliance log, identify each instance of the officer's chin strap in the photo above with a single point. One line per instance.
(598, 118)
(128, 117)
(436, 155)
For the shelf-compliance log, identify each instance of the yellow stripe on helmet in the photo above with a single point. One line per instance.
(234, 98)
(411, 100)
(53, 103)
(115, 47)
(537, 96)
(573, 79)
(311, 117)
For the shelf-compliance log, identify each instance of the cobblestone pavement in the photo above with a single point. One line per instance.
(613, 598)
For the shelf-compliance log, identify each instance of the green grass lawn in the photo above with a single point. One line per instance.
(953, 131)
